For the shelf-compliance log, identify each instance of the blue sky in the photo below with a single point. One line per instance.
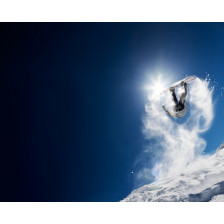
(74, 102)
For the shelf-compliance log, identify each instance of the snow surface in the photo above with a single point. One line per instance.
(202, 181)
(218, 198)
(220, 147)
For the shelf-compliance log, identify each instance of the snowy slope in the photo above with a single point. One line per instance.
(202, 181)
(220, 147)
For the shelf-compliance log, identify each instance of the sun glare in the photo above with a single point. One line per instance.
(156, 85)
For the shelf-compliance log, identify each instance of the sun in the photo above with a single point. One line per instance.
(156, 85)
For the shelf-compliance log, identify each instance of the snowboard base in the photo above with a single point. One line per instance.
(178, 84)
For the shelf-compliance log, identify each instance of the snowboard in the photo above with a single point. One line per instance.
(178, 84)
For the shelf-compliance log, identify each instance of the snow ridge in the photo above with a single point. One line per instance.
(220, 147)
(202, 181)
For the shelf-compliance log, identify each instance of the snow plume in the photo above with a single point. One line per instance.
(176, 142)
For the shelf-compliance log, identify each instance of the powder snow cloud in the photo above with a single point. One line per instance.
(176, 143)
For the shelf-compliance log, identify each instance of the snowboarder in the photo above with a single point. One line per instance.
(180, 107)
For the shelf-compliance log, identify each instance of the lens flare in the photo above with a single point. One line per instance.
(156, 85)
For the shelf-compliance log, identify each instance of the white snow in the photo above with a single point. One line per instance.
(218, 198)
(220, 147)
(202, 181)
(177, 142)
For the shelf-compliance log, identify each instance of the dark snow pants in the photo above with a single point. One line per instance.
(179, 105)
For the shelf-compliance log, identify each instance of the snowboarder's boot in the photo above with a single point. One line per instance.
(184, 84)
(172, 89)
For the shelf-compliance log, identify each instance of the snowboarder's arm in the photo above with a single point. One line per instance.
(166, 110)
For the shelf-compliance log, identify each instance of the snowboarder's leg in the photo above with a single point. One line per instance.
(175, 108)
(174, 96)
(183, 95)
